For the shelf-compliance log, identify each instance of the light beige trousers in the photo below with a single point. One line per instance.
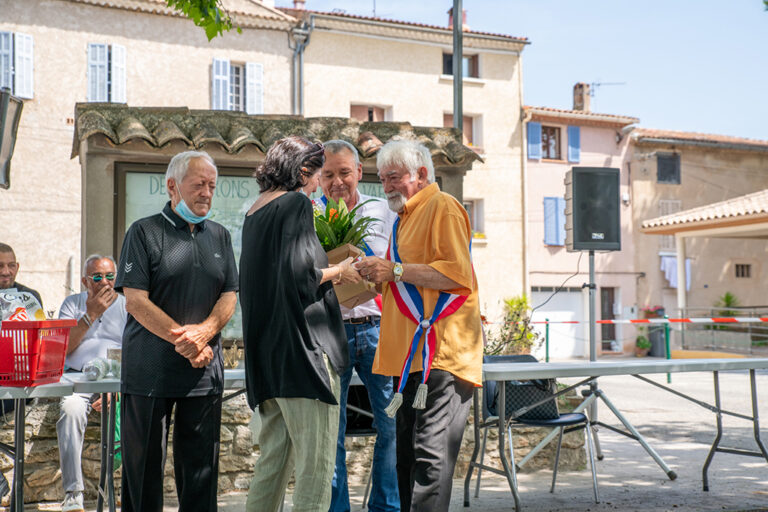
(300, 433)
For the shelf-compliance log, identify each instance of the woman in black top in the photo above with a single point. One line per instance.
(295, 345)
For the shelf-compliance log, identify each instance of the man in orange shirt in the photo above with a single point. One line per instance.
(429, 297)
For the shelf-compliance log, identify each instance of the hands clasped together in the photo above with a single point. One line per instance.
(192, 343)
(370, 268)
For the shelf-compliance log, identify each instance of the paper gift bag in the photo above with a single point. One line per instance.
(351, 295)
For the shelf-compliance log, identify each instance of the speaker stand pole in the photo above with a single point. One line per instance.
(593, 351)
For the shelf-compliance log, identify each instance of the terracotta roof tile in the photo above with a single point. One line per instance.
(579, 116)
(640, 134)
(297, 12)
(743, 206)
(233, 131)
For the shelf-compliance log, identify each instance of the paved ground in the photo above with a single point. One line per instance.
(628, 478)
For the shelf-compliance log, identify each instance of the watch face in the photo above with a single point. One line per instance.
(398, 270)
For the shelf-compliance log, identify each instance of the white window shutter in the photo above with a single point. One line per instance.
(23, 65)
(117, 74)
(6, 60)
(220, 85)
(97, 72)
(254, 88)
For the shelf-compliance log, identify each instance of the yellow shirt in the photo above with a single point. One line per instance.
(434, 229)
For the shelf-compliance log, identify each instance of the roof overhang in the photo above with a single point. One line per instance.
(233, 132)
(551, 115)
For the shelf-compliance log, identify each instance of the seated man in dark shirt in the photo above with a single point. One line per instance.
(9, 267)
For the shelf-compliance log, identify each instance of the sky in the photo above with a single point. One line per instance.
(689, 65)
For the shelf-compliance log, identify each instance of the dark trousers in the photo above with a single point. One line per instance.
(428, 440)
(196, 427)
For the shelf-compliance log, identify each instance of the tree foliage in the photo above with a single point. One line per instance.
(207, 14)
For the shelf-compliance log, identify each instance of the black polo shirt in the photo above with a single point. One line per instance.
(185, 273)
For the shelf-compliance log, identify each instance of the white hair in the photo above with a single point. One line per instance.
(337, 146)
(179, 165)
(407, 154)
(93, 258)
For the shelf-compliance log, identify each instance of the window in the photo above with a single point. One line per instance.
(470, 67)
(668, 168)
(237, 87)
(743, 270)
(472, 129)
(550, 142)
(106, 73)
(544, 142)
(367, 113)
(668, 207)
(554, 221)
(607, 331)
(474, 209)
(16, 63)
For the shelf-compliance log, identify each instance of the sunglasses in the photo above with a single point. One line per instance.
(98, 277)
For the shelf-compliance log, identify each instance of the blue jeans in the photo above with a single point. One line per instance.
(362, 340)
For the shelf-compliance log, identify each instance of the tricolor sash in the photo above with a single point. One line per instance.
(410, 303)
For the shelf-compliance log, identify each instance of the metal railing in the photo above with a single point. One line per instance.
(746, 338)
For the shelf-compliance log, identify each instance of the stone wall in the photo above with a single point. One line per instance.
(42, 478)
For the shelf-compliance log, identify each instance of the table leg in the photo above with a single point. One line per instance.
(756, 419)
(639, 438)
(17, 498)
(476, 430)
(102, 466)
(716, 442)
(504, 461)
(111, 452)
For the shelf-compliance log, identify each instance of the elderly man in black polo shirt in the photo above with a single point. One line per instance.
(178, 273)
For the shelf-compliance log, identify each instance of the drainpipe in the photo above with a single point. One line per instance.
(298, 42)
(525, 117)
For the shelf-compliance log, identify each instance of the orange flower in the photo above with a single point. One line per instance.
(332, 213)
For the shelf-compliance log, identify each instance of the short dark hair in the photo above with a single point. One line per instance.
(282, 167)
(7, 248)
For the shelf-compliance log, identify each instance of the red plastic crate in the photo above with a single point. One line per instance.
(33, 353)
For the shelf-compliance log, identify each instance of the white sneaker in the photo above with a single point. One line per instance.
(73, 502)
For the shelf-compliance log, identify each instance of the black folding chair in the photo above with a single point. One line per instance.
(567, 422)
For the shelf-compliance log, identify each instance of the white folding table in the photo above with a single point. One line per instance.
(20, 396)
(501, 372)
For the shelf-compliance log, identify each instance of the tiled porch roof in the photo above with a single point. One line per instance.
(578, 116)
(741, 209)
(233, 131)
(646, 135)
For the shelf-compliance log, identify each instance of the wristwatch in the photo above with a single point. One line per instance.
(397, 270)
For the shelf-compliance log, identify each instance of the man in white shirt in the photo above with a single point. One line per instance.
(339, 178)
(100, 314)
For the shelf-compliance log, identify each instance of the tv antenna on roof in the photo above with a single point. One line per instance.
(594, 85)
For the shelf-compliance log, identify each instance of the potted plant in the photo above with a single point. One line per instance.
(516, 335)
(642, 346)
(341, 236)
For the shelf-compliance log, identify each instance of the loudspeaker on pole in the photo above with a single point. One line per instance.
(592, 213)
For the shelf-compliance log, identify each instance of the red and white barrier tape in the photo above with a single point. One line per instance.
(711, 320)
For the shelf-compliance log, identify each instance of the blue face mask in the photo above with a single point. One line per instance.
(183, 211)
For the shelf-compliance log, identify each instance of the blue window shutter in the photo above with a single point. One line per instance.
(550, 221)
(254, 88)
(23, 65)
(574, 144)
(97, 72)
(560, 220)
(117, 69)
(220, 85)
(6, 60)
(534, 141)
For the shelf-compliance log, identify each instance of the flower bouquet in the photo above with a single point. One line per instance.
(341, 235)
